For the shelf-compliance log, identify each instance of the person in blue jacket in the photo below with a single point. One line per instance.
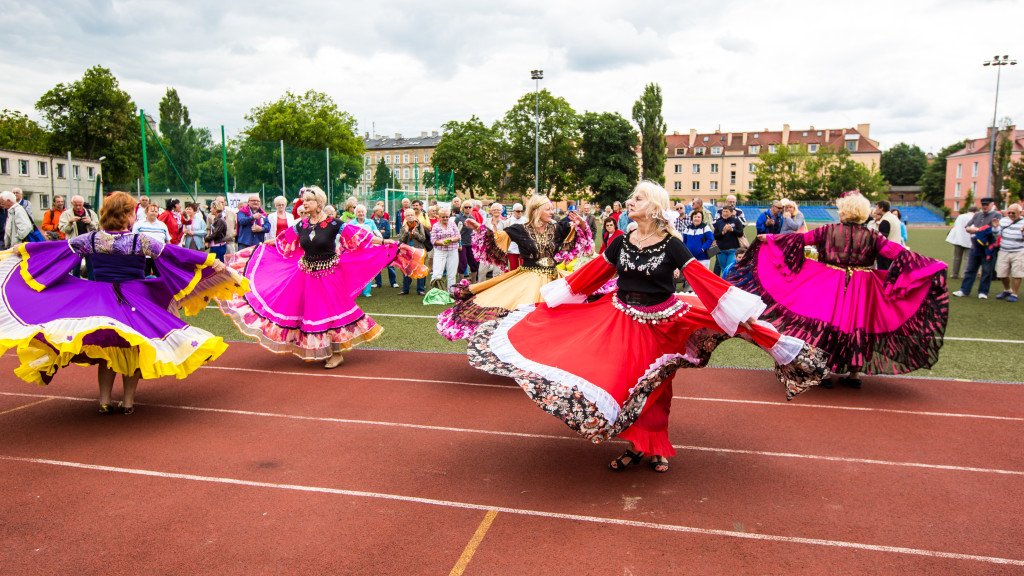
(770, 221)
(252, 223)
(698, 236)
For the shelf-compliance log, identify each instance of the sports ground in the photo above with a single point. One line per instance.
(407, 461)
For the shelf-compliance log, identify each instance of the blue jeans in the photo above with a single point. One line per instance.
(219, 251)
(421, 284)
(726, 259)
(976, 260)
(392, 278)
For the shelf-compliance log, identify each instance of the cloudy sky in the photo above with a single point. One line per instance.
(912, 68)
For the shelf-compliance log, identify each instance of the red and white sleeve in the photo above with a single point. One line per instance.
(728, 304)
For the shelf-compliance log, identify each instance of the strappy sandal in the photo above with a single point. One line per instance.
(659, 464)
(107, 409)
(126, 411)
(628, 458)
(332, 363)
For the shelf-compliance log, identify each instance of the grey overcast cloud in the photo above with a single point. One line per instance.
(912, 69)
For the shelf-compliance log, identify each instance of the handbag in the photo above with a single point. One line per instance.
(35, 236)
(714, 250)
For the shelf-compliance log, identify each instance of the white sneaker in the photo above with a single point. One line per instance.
(982, 296)
(394, 285)
(958, 294)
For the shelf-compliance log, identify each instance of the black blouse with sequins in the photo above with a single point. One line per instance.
(318, 240)
(648, 270)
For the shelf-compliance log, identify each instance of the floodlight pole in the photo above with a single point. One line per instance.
(536, 75)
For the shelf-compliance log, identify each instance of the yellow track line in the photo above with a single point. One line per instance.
(467, 553)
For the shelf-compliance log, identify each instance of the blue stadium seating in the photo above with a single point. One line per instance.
(911, 214)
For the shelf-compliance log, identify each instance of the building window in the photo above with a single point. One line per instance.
(714, 186)
(956, 206)
(426, 157)
(716, 150)
(405, 173)
(956, 189)
(812, 148)
(752, 167)
(757, 136)
(755, 149)
(959, 170)
(677, 186)
(680, 151)
(44, 201)
(974, 185)
(679, 168)
(22, 167)
(699, 150)
(974, 170)
(732, 177)
(794, 147)
(76, 172)
(750, 184)
(695, 185)
(851, 145)
(405, 158)
(714, 168)
(90, 172)
(5, 166)
(696, 168)
(705, 138)
(387, 158)
(41, 168)
(60, 172)
(771, 148)
(416, 158)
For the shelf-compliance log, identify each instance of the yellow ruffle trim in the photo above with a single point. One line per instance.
(235, 285)
(196, 277)
(37, 358)
(24, 270)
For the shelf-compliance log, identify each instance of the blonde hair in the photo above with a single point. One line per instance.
(659, 197)
(853, 208)
(318, 195)
(350, 203)
(533, 205)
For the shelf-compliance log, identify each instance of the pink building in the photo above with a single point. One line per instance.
(969, 169)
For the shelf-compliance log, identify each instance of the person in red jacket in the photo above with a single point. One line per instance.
(172, 218)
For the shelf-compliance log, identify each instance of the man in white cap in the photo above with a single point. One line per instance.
(517, 217)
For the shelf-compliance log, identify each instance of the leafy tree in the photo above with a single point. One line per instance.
(469, 149)
(832, 171)
(933, 181)
(1015, 180)
(179, 139)
(558, 147)
(780, 173)
(383, 178)
(21, 133)
(903, 164)
(608, 156)
(1001, 161)
(308, 124)
(653, 144)
(93, 117)
(968, 200)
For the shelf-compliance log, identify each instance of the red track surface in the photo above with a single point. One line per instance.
(261, 464)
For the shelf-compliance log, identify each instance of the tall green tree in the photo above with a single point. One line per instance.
(608, 163)
(1015, 180)
(653, 144)
(1001, 161)
(832, 171)
(903, 164)
(94, 117)
(780, 173)
(933, 181)
(180, 140)
(309, 124)
(558, 148)
(21, 133)
(383, 178)
(469, 149)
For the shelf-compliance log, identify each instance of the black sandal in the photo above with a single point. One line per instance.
(126, 411)
(107, 409)
(850, 382)
(628, 458)
(659, 461)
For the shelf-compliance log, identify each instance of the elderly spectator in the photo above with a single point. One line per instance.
(611, 232)
(413, 233)
(216, 237)
(20, 197)
(623, 221)
(903, 224)
(230, 216)
(193, 228)
(78, 219)
(350, 209)
(432, 214)
(616, 211)
(728, 231)
(517, 217)
(281, 219)
(141, 207)
(383, 210)
(981, 256)
(360, 219)
(960, 238)
(792, 218)
(155, 229)
(51, 220)
(494, 223)
(587, 211)
(421, 216)
(380, 218)
(19, 223)
(400, 215)
(770, 221)
(730, 201)
(478, 214)
(331, 211)
(698, 205)
(456, 206)
(1010, 262)
(698, 236)
(468, 266)
(446, 236)
(252, 223)
(172, 218)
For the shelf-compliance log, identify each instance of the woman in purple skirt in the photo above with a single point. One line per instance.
(122, 322)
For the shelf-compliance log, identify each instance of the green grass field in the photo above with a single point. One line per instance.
(969, 318)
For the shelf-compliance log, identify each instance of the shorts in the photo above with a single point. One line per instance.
(1010, 264)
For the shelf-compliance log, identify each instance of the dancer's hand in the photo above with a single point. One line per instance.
(749, 323)
(472, 224)
(218, 266)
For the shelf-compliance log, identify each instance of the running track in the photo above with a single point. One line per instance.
(412, 463)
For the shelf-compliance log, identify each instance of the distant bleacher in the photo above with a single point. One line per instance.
(912, 215)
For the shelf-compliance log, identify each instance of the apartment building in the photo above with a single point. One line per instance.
(716, 164)
(406, 157)
(969, 169)
(42, 176)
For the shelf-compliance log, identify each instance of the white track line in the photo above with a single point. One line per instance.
(504, 433)
(691, 398)
(525, 512)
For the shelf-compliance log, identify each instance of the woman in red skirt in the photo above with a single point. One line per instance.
(605, 367)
